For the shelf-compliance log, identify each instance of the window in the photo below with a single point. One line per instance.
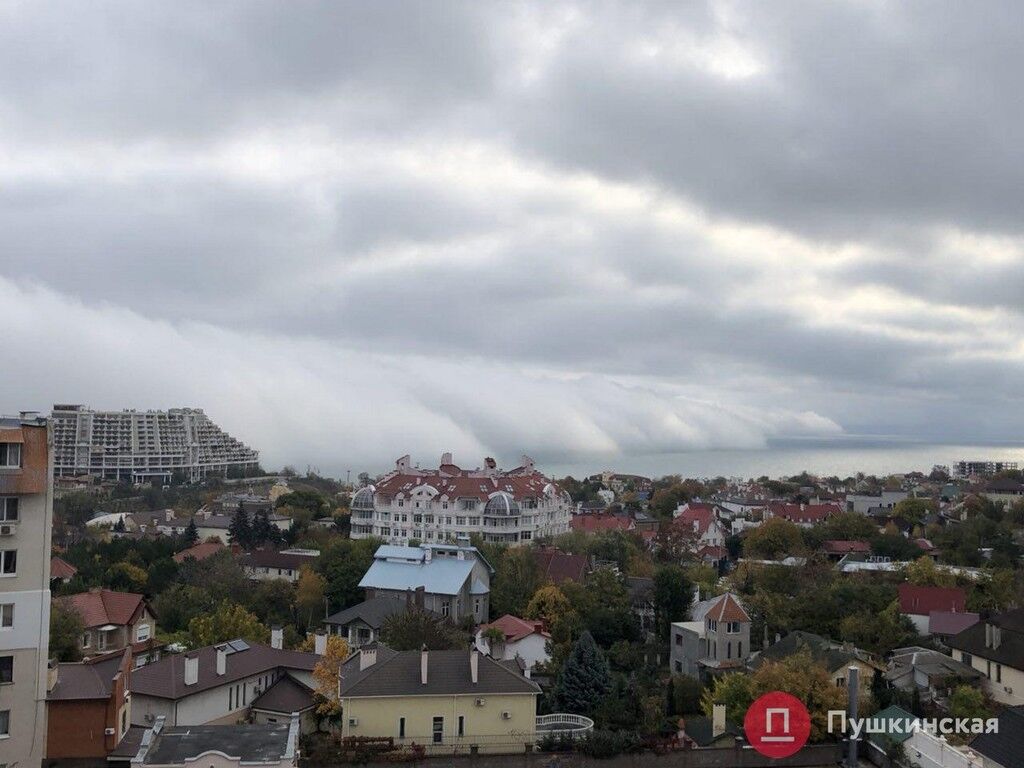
(141, 633)
(86, 639)
(712, 625)
(6, 615)
(124, 721)
(8, 509)
(245, 694)
(988, 669)
(462, 725)
(527, 535)
(8, 562)
(966, 658)
(6, 669)
(679, 666)
(231, 699)
(5, 723)
(728, 650)
(438, 730)
(401, 727)
(679, 639)
(840, 682)
(460, 520)
(999, 673)
(10, 455)
(739, 649)
(732, 627)
(446, 607)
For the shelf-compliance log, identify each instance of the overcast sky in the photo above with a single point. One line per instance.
(585, 231)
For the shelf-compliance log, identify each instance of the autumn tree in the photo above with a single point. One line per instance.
(548, 604)
(517, 577)
(325, 676)
(228, 622)
(775, 538)
(415, 628)
(923, 572)
(309, 595)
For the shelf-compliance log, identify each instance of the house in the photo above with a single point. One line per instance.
(995, 647)
(445, 701)
(918, 602)
(599, 522)
(521, 639)
(804, 515)
(701, 521)
(88, 709)
(163, 521)
(200, 551)
(284, 700)
(863, 502)
(274, 565)
(113, 621)
(214, 526)
(836, 550)
(1003, 747)
(836, 658)
(362, 623)
(945, 624)
(715, 640)
(224, 746)
(557, 566)
(931, 673)
(453, 581)
(895, 726)
(217, 684)
(61, 571)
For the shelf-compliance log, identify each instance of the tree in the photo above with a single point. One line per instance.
(912, 510)
(736, 691)
(672, 596)
(229, 621)
(240, 530)
(604, 608)
(309, 595)
(969, 702)
(263, 531)
(191, 534)
(548, 604)
(126, 577)
(342, 564)
(66, 628)
(178, 605)
(325, 675)
(517, 576)
(923, 572)
(773, 539)
(414, 629)
(688, 692)
(584, 679)
(878, 632)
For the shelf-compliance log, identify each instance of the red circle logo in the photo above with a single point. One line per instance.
(777, 724)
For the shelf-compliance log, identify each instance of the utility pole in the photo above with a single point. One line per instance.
(853, 675)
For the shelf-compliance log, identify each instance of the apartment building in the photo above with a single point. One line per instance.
(144, 446)
(436, 505)
(26, 519)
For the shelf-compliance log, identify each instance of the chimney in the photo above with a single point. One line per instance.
(423, 666)
(446, 458)
(276, 637)
(191, 668)
(717, 720)
(988, 635)
(222, 659)
(428, 554)
(367, 657)
(169, 514)
(320, 643)
(997, 636)
(51, 674)
(474, 665)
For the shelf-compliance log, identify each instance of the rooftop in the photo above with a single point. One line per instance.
(177, 745)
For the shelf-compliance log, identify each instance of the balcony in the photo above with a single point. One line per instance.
(563, 724)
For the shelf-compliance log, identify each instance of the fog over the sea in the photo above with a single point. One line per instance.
(605, 234)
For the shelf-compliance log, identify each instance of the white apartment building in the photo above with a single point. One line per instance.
(448, 503)
(142, 446)
(26, 520)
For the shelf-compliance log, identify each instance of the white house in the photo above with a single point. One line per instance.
(523, 639)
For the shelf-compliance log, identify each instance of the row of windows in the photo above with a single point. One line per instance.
(731, 627)
(10, 455)
(437, 728)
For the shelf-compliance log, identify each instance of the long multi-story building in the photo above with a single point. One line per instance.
(143, 446)
(965, 468)
(445, 504)
(26, 520)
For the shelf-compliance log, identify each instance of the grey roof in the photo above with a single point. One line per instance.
(701, 730)
(81, 680)
(397, 673)
(1006, 746)
(833, 655)
(372, 612)
(166, 678)
(214, 521)
(928, 662)
(249, 743)
(1011, 647)
(286, 696)
(440, 576)
(889, 715)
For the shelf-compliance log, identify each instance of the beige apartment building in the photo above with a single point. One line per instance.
(26, 519)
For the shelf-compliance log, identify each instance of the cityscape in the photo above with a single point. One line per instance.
(511, 384)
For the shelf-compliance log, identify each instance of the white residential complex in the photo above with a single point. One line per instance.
(141, 446)
(447, 503)
(26, 519)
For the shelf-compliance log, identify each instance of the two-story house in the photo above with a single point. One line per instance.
(277, 565)
(451, 580)
(113, 621)
(995, 647)
(702, 522)
(836, 658)
(445, 701)
(715, 640)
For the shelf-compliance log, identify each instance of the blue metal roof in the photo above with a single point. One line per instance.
(442, 575)
(388, 551)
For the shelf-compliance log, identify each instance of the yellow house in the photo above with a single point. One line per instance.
(449, 702)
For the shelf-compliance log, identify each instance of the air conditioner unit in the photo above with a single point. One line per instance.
(150, 718)
(353, 721)
(109, 732)
(8, 529)
(480, 702)
(506, 715)
(1008, 689)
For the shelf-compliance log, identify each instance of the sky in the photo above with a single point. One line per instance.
(589, 232)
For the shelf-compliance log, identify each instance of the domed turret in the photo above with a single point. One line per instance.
(363, 499)
(501, 504)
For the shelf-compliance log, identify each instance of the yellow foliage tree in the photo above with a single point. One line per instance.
(325, 674)
(548, 604)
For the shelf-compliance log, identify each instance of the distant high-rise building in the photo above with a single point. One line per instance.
(26, 520)
(445, 504)
(982, 468)
(142, 446)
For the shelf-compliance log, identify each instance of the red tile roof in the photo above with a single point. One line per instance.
(103, 606)
(61, 569)
(727, 608)
(560, 566)
(838, 547)
(922, 601)
(601, 522)
(515, 628)
(200, 551)
(696, 518)
(454, 483)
